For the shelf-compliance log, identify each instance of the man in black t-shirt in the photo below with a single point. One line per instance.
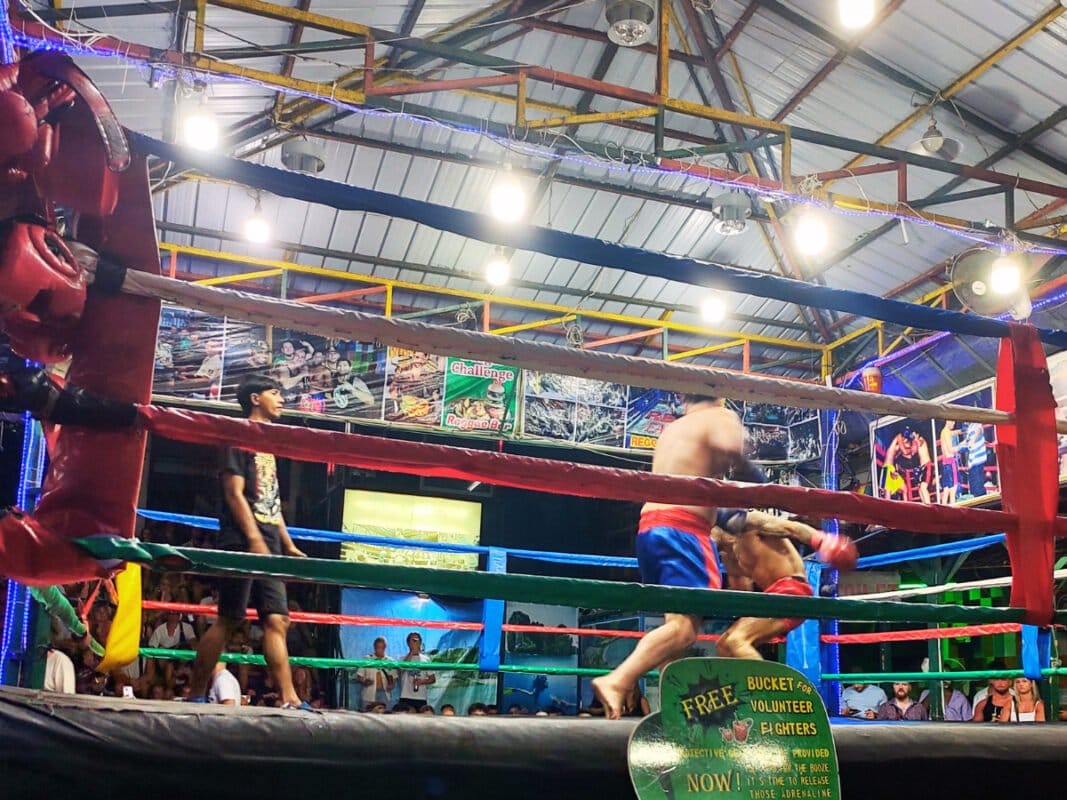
(251, 521)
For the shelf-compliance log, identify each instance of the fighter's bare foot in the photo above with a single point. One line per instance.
(611, 696)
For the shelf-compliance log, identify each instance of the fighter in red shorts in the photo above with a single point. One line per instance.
(674, 546)
(758, 548)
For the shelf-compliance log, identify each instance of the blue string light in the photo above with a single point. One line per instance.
(171, 71)
(7, 36)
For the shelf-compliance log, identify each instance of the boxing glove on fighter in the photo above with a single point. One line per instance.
(837, 551)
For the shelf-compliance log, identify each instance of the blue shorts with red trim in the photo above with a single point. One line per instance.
(674, 548)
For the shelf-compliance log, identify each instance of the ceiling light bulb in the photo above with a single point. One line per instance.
(713, 309)
(507, 199)
(257, 229)
(810, 234)
(855, 13)
(497, 271)
(1005, 277)
(200, 129)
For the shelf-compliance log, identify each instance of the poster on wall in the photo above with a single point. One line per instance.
(966, 451)
(600, 413)
(805, 440)
(540, 691)
(327, 376)
(902, 459)
(411, 518)
(480, 397)
(414, 387)
(1057, 367)
(768, 442)
(189, 354)
(569, 409)
(447, 646)
(648, 412)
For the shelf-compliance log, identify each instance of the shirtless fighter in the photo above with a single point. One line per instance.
(674, 545)
(758, 553)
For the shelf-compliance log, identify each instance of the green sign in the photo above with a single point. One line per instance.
(732, 728)
(480, 397)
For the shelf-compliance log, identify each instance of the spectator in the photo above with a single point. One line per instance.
(413, 683)
(224, 688)
(515, 710)
(1028, 706)
(377, 682)
(477, 710)
(977, 448)
(862, 701)
(901, 706)
(996, 706)
(956, 706)
(428, 710)
(448, 710)
(399, 709)
(491, 710)
(378, 708)
(171, 634)
(59, 673)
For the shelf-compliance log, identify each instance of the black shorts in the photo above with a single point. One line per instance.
(267, 595)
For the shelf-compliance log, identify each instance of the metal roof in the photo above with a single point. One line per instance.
(859, 86)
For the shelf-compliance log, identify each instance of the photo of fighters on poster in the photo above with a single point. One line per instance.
(648, 412)
(903, 459)
(547, 418)
(324, 376)
(480, 397)
(414, 387)
(805, 442)
(189, 354)
(965, 452)
(247, 353)
(767, 442)
(772, 414)
(601, 413)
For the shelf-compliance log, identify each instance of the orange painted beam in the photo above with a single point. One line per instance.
(628, 337)
(322, 298)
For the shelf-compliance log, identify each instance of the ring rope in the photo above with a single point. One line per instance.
(358, 663)
(320, 618)
(986, 583)
(537, 589)
(583, 480)
(627, 370)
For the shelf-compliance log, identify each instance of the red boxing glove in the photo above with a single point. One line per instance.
(837, 551)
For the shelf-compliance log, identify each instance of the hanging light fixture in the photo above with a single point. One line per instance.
(257, 228)
(629, 21)
(498, 269)
(810, 233)
(855, 13)
(1005, 276)
(935, 144)
(507, 198)
(713, 309)
(199, 127)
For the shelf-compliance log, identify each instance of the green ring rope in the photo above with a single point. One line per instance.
(357, 663)
(922, 677)
(56, 603)
(537, 589)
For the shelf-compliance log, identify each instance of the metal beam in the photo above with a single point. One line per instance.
(80, 12)
(373, 261)
(811, 27)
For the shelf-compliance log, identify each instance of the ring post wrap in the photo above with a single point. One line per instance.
(734, 728)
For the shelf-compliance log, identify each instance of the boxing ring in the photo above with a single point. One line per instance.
(84, 524)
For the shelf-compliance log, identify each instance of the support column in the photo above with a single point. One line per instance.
(492, 617)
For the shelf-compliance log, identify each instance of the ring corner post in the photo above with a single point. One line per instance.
(492, 616)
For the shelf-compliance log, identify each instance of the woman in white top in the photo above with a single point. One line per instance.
(1027, 706)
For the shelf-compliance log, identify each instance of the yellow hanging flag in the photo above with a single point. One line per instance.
(124, 638)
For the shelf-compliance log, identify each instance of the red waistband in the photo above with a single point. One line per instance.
(681, 519)
(792, 585)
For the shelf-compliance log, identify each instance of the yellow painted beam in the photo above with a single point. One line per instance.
(586, 119)
(974, 72)
(854, 335)
(720, 115)
(703, 351)
(295, 16)
(557, 310)
(242, 278)
(529, 326)
(323, 91)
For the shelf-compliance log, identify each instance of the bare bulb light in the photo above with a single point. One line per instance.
(713, 309)
(855, 13)
(497, 271)
(507, 199)
(810, 234)
(257, 229)
(200, 129)
(1005, 277)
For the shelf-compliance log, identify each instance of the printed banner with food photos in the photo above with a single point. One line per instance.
(936, 461)
(414, 387)
(481, 397)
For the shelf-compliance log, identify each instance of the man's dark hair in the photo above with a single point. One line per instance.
(475, 707)
(700, 398)
(380, 639)
(448, 705)
(254, 384)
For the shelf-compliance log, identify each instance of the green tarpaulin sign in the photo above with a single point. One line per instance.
(746, 730)
(480, 397)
